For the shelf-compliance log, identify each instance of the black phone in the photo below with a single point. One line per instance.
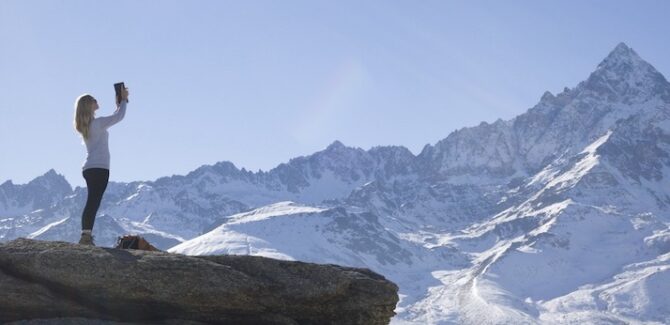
(118, 87)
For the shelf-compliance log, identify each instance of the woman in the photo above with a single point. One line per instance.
(96, 167)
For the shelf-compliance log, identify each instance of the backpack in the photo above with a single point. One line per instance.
(134, 242)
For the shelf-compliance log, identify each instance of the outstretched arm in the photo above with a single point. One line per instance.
(120, 112)
(107, 121)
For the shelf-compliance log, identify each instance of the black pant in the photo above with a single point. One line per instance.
(96, 182)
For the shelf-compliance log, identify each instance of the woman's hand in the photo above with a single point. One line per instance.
(124, 94)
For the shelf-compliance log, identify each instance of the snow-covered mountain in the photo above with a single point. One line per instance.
(559, 215)
(39, 193)
(173, 209)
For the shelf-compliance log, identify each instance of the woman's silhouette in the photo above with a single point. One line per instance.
(96, 167)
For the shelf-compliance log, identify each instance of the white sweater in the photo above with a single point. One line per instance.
(97, 144)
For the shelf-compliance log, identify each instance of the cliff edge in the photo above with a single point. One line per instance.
(54, 280)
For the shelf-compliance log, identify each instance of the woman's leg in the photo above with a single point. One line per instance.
(96, 182)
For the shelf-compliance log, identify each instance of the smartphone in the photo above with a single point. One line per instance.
(117, 88)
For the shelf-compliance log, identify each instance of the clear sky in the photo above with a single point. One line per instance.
(259, 82)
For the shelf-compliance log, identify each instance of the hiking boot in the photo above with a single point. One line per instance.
(86, 239)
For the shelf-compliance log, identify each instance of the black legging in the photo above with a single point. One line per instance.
(96, 182)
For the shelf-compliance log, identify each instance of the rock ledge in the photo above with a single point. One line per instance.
(53, 280)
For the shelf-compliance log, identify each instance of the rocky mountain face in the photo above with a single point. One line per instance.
(622, 85)
(559, 215)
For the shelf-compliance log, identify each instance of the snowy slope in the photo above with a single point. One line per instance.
(525, 231)
(291, 231)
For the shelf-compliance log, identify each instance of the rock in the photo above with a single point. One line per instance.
(44, 282)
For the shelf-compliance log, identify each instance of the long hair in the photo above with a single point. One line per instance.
(83, 114)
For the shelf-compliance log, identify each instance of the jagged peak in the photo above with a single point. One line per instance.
(337, 148)
(225, 164)
(624, 51)
(547, 96)
(624, 63)
(621, 47)
(49, 180)
(335, 145)
(626, 76)
(50, 175)
(220, 167)
(621, 54)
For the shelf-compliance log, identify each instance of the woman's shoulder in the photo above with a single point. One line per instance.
(96, 123)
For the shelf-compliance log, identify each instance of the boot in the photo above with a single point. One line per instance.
(86, 238)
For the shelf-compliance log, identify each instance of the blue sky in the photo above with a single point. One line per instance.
(259, 82)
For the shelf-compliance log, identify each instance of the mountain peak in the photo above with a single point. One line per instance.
(547, 96)
(51, 174)
(623, 49)
(52, 180)
(335, 145)
(620, 55)
(7, 183)
(624, 76)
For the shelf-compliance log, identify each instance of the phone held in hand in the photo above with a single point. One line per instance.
(118, 88)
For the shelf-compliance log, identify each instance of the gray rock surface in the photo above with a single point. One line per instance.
(45, 282)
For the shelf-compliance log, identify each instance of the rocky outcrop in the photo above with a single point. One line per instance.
(43, 280)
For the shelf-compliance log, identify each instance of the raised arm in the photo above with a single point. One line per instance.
(107, 121)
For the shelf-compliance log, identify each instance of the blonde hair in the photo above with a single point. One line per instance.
(83, 114)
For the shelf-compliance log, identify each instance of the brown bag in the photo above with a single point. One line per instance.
(134, 242)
